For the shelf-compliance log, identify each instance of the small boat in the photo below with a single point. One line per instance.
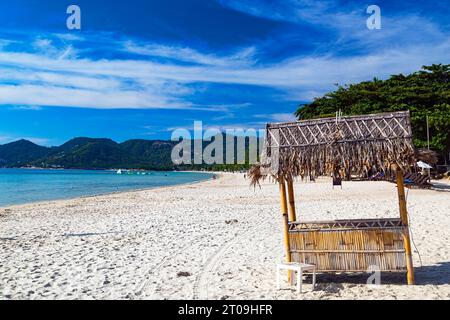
(119, 171)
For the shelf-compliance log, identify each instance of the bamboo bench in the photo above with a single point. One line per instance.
(349, 245)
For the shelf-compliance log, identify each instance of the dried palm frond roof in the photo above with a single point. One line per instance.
(428, 156)
(351, 145)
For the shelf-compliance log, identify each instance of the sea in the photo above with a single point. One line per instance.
(20, 186)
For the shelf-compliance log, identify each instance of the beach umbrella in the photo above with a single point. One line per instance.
(423, 165)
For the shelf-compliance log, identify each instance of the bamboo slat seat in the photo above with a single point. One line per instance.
(349, 245)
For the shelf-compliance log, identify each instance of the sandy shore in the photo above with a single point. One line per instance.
(217, 239)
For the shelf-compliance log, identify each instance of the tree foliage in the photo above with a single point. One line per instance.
(424, 93)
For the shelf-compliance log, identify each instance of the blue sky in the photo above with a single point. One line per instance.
(138, 69)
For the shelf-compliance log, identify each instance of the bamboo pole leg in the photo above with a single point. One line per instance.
(404, 218)
(292, 213)
(284, 213)
(409, 262)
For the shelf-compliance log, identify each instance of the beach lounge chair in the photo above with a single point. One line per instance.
(416, 180)
(377, 176)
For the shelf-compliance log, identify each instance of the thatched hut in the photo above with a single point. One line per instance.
(351, 145)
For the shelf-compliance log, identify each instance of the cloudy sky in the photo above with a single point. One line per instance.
(139, 69)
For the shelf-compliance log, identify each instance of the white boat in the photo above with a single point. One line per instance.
(119, 171)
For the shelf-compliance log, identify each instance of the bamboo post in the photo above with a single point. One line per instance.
(284, 213)
(292, 214)
(404, 218)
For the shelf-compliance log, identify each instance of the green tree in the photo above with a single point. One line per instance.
(424, 93)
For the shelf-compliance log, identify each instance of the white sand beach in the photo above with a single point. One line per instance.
(219, 239)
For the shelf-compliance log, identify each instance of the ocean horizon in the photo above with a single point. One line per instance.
(24, 185)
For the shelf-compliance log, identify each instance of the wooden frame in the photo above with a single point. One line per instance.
(351, 245)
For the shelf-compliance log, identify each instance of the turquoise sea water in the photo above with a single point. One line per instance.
(18, 186)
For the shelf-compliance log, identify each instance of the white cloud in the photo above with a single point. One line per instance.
(33, 108)
(74, 97)
(241, 57)
(43, 44)
(5, 139)
(67, 53)
(54, 75)
(288, 10)
(38, 141)
(5, 43)
(345, 22)
(74, 80)
(69, 36)
(277, 117)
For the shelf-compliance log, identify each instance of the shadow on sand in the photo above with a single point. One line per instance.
(438, 274)
(435, 275)
(442, 187)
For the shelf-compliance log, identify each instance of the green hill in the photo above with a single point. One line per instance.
(20, 153)
(84, 153)
(91, 153)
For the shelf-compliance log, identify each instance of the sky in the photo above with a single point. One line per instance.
(140, 69)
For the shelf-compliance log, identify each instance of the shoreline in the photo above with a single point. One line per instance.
(12, 206)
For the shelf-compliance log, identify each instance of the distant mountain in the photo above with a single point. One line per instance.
(92, 153)
(141, 151)
(19, 153)
(85, 153)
